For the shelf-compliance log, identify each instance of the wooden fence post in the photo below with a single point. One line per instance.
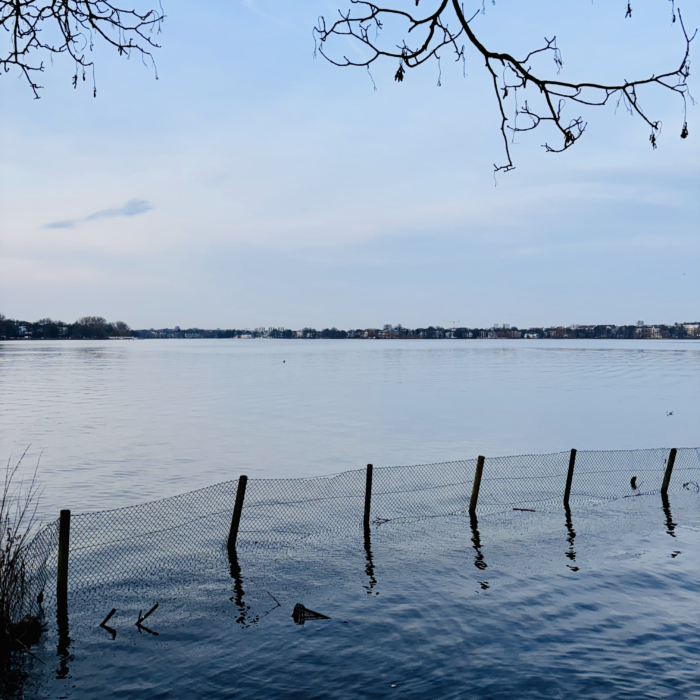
(63, 549)
(237, 510)
(368, 495)
(669, 469)
(569, 478)
(477, 485)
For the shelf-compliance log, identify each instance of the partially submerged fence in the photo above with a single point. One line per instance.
(271, 514)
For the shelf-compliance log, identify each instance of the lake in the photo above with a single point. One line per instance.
(599, 602)
(120, 422)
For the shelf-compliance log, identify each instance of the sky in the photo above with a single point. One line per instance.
(253, 184)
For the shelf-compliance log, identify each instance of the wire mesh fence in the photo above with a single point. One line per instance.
(38, 572)
(127, 544)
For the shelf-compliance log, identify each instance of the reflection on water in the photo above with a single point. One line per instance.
(369, 567)
(670, 525)
(237, 598)
(570, 537)
(622, 627)
(111, 630)
(63, 651)
(246, 615)
(479, 561)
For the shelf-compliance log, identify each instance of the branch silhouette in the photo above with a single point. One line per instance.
(36, 28)
(364, 22)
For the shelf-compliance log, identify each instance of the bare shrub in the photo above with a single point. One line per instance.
(20, 626)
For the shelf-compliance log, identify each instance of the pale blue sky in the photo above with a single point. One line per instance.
(255, 185)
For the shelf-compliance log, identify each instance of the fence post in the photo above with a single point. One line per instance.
(569, 478)
(237, 510)
(62, 569)
(669, 469)
(477, 485)
(368, 494)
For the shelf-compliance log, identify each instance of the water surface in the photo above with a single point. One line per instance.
(599, 603)
(603, 604)
(119, 422)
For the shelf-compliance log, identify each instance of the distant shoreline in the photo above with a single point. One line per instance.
(131, 338)
(98, 328)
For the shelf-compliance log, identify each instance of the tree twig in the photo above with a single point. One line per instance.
(365, 20)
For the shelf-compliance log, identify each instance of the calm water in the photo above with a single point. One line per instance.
(121, 422)
(527, 606)
(519, 605)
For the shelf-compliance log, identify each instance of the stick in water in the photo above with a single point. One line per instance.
(106, 620)
(142, 618)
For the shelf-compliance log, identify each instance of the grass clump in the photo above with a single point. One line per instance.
(20, 625)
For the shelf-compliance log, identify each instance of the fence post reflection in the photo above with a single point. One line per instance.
(479, 561)
(570, 537)
(369, 567)
(64, 640)
(670, 525)
(237, 598)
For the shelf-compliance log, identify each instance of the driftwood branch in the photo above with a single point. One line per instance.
(448, 27)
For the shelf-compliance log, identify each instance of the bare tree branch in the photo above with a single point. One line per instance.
(364, 22)
(41, 27)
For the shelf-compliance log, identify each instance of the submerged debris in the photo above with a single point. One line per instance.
(302, 614)
(139, 623)
(141, 617)
(107, 619)
(104, 622)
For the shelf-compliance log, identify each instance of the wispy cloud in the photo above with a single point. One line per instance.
(132, 208)
(62, 224)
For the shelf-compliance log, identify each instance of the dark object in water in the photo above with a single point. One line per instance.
(23, 634)
(633, 482)
(302, 614)
(104, 622)
(526, 510)
(107, 619)
(142, 617)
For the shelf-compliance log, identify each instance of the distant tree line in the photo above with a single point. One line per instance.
(98, 328)
(388, 331)
(85, 328)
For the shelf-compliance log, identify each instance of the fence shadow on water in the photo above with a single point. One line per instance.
(181, 533)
